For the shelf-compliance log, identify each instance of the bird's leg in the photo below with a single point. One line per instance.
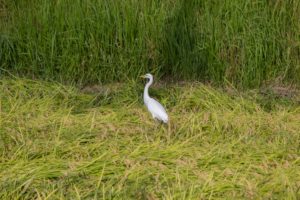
(169, 128)
(169, 131)
(155, 119)
(157, 124)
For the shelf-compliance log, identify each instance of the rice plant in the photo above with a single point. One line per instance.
(59, 142)
(244, 42)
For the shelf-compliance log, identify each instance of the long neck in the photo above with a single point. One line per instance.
(146, 93)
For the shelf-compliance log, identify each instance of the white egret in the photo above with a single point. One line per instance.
(155, 108)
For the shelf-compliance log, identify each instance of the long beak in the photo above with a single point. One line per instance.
(143, 76)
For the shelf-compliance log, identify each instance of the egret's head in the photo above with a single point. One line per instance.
(148, 76)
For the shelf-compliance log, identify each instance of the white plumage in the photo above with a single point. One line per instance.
(155, 108)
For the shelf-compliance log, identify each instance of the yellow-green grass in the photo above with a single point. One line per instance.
(59, 142)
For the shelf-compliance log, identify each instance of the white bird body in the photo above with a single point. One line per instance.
(155, 108)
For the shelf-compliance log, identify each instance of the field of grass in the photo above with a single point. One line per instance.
(60, 142)
(84, 133)
(245, 42)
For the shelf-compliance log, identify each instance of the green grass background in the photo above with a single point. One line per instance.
(245, 42)
(58, 141)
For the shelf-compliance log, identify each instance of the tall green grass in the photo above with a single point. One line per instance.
(246, 42)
